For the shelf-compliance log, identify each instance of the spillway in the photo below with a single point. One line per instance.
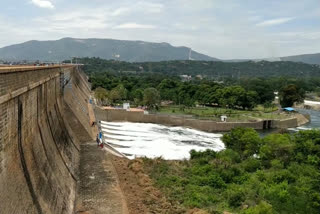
(153, 140)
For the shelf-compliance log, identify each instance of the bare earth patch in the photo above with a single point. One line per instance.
(141, 195)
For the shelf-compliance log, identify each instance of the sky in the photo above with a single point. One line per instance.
(226, 29)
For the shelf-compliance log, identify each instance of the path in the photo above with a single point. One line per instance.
(99, 190)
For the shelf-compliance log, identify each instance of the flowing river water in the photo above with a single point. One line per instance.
(171, 143)
(313, 124)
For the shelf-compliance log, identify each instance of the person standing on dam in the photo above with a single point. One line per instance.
(97, 139)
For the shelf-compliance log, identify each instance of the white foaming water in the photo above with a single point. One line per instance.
(312, 102)
(153, 140)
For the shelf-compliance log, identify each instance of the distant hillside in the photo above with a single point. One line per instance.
(216, 70)
(306, 58)
(131, 51)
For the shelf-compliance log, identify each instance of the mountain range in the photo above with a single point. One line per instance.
(130, 51)
(306, 58)
(122, 50)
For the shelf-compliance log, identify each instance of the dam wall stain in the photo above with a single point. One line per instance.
(39, 149)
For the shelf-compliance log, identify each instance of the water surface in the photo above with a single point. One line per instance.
(153, 140)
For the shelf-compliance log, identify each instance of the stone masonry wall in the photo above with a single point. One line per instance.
(39, 153)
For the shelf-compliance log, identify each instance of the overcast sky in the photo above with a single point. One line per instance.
(225, 29)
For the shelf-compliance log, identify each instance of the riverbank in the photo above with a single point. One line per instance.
(308, 104)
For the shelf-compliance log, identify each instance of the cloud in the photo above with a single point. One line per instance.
(273, 22)
(43, 3)
(120, 11)
(149, 7)
(222, 29)
(134, 26)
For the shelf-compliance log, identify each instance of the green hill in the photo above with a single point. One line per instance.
(306, 58)
(66, 48)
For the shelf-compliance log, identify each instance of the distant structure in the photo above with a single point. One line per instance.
(224, 118)
(190, 53)
(185, 78)
(126, 106)
(200, 77)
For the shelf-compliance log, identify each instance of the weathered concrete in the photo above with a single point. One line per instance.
(39, 147)
(99, 189)
(203, 125)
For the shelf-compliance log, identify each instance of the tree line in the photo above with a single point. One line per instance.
(150, 90)
(115, 88)
(217, 70)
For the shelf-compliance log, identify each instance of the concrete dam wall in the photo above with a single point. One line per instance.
(43, 120)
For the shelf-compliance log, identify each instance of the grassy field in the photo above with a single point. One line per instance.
(214, 113)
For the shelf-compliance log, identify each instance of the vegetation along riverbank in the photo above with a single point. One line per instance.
(274, 174)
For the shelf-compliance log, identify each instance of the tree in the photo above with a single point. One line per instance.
(101, 95)
(137, 96)
(151, 97)
(251, 100)
(119, 93)
(263, 89)
(277, 146)
(168, 89)
(245, 141)
(290, 94)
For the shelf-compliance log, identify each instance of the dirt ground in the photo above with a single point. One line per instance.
(111, 184)
(140, 194)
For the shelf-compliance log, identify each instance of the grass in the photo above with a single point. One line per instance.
(214, 113)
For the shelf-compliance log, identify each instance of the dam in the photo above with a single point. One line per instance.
(49, 160)
(44, 115)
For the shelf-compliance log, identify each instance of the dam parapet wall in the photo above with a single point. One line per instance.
(39, 146)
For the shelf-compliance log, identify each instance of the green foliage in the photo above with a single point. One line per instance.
(275, 174)
(261, 77)
(101, 94)
(291, 94)
(151, 97)
(262, 208)
(277, 146)
(182, 93)
(245, 141)
(213, 69)
(263, 88)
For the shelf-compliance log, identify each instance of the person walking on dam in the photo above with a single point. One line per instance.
(100, 140)
(97, 139)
